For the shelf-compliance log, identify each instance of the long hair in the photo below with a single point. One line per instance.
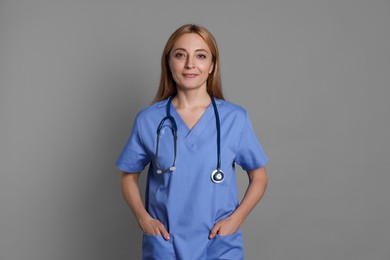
(168, 85)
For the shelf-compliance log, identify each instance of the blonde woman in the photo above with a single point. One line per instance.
(192, 138)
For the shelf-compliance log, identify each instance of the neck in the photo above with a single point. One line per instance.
(190, 99)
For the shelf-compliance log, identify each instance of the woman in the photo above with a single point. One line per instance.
(191, 208)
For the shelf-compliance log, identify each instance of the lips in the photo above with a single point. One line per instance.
(190, 75)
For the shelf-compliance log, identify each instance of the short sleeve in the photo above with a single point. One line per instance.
(134, 157)
(250, 155)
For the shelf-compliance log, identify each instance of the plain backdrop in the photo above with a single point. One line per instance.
(314, 76)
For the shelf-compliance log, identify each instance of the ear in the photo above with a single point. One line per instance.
(211, 68)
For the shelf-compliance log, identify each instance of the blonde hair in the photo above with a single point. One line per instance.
(168, 85)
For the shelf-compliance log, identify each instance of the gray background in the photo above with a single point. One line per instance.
(314, 76)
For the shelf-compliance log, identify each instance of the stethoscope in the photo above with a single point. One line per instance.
(217, 176)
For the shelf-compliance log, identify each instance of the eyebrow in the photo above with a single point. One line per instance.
(182, 49)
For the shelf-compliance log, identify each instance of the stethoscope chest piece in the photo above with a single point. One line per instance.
(217, 176)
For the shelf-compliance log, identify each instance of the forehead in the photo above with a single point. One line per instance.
(190, 41)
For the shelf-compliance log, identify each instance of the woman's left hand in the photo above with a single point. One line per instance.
(226, 226)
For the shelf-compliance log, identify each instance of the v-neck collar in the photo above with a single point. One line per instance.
(191, 134)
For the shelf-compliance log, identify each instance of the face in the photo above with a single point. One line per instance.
(190, 61)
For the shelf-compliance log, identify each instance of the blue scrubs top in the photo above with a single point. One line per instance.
(186, 201)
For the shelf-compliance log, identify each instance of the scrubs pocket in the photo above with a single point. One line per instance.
(157, 248)
(228, 247)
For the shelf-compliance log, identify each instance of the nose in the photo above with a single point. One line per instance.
(189, 62)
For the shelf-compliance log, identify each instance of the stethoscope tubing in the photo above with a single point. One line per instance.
(174, 132)
(217, 176)
(218, 124)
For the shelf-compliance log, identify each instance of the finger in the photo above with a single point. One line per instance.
(164, 232)
(214, 230)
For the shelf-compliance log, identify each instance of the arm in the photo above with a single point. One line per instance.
(258, 181)
(132, 196)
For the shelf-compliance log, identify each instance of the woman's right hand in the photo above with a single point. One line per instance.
(151, 226)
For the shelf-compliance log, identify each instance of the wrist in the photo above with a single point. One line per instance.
(141, 215)
(239, 215)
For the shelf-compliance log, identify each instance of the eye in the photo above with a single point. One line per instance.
(179, 55)
(202, 56)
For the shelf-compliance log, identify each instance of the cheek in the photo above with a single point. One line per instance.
(207, 66)
(174, 67)
(175, 72)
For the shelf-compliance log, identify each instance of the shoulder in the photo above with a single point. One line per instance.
(155, 109)
(229, 108)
